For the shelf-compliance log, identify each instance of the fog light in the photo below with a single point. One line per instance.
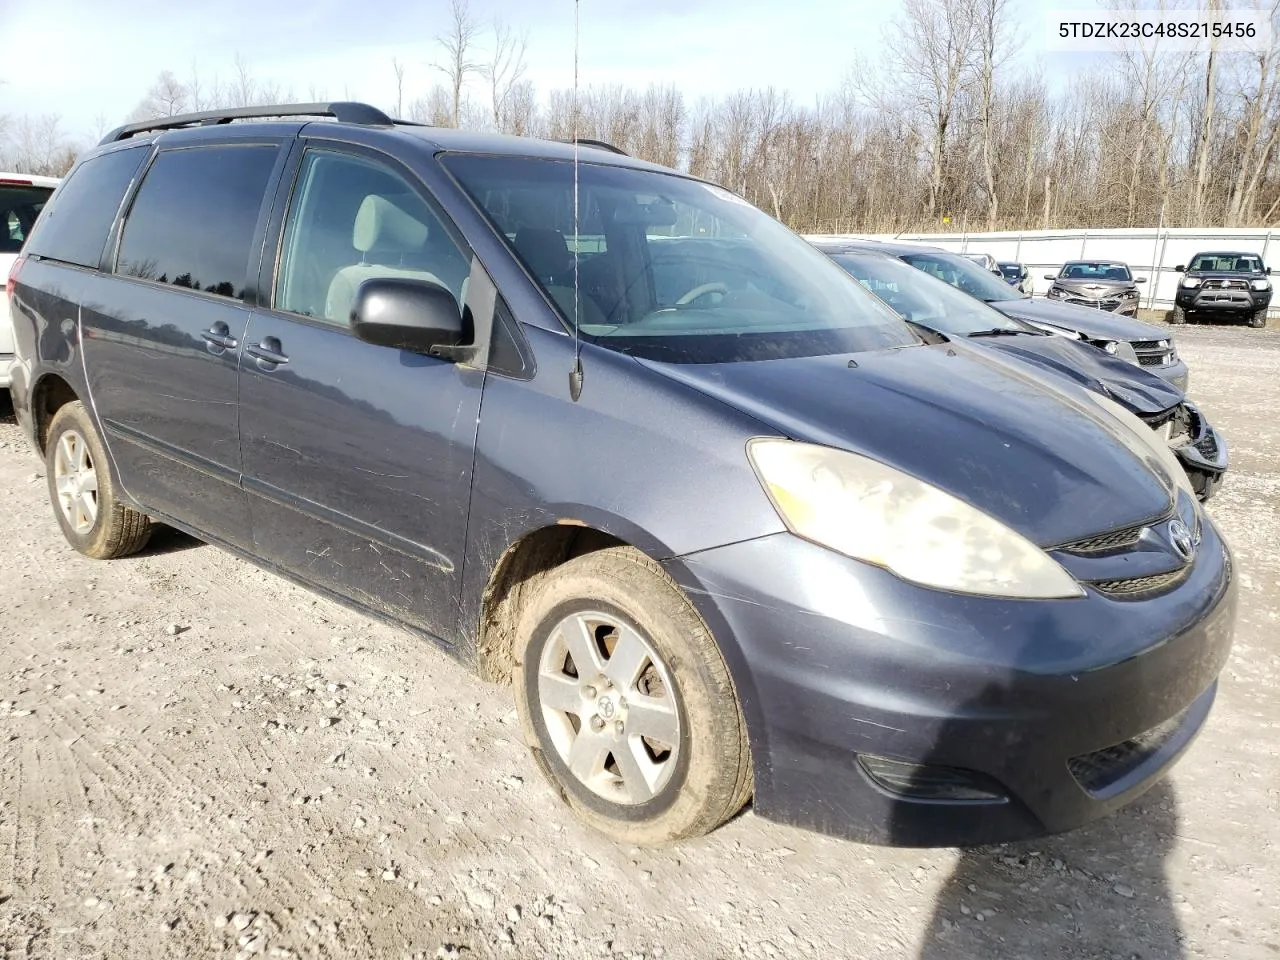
(918, 781)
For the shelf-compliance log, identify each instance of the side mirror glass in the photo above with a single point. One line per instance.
(1141, 280)
(1051, 276)
(408, 314)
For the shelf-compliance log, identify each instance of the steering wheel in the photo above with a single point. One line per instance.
(701, 290)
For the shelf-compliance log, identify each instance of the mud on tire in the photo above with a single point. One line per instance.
(594, 624)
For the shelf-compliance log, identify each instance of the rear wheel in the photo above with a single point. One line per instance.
(1179, 316)
(627, 703)
(80, 488)
(1258, 319)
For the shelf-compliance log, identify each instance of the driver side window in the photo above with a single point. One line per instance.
(352, 220)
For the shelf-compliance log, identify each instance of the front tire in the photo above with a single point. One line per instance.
(626, 702)
(81, 491)
(1258, 319)
(1178, 317)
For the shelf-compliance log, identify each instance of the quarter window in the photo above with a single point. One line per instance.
(353, 220)
(74, 228)
(193, 220)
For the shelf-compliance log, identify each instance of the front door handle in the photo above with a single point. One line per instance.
(219, 337)
(268, 353)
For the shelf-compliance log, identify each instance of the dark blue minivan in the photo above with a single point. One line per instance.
(729, 528)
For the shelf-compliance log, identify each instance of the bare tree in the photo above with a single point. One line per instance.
(457, 44)
(504, 69)
(167, 97)
(993, 22)
(398, 68)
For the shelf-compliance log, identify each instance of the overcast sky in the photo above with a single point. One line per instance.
(88, 58)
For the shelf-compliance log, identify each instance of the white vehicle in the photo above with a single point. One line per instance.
(22, 197)
(986, 261)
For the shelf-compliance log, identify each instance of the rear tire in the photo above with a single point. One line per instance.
(81, 491)
(1178, 317)
(1258, 319)
(672, 763)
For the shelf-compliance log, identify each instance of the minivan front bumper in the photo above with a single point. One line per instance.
(1008, 719)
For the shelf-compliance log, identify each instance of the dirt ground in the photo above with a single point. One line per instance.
(198, 759)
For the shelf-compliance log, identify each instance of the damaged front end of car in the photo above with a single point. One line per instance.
(1200, 449)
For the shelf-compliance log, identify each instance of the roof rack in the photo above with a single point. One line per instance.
(342, 111)
(602, 144)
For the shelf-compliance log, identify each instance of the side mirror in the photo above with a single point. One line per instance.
(1268, 271)
(1180, 268)
(1051, 276)
(408, 314)
(1141, 280)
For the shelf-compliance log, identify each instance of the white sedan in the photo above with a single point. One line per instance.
(22, 197)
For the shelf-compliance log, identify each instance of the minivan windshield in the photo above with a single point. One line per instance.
(924, 299)
(672, 269)
(965, 275)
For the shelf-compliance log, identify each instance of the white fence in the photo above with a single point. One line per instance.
(1149, 252)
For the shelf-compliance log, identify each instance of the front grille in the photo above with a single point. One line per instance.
(1108, 304)
(1225, 285)
(1139, 588)
(1153, 353)
(1115, 540)
(1100, 769)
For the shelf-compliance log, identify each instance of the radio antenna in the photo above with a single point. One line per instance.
(575, 374)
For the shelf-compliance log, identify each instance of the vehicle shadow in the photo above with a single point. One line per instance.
(165, 540)
(1100, 891)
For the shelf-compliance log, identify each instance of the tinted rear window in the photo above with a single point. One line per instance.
(19, 207)
(74, 228)
(191, 224)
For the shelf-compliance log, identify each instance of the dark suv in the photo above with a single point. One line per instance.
(726, 525)
(1223, 286)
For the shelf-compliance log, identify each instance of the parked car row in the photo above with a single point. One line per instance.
(1215, 287)
(873, 551)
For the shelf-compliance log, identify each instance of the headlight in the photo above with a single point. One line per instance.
(874, 513)
(1149, 439)
(1130, 294)
(1119, 348)
(1057, 292)
(1190, 283)
(1260, 285)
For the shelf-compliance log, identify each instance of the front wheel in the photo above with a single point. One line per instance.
(80, 488)
(627, 703)
(1258, 319)
(1178, 317)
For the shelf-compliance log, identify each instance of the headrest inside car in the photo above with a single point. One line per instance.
(380, 223)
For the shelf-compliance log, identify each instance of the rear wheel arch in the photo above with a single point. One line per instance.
(50, 394)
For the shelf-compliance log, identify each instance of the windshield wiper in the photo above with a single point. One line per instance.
(1004, 332)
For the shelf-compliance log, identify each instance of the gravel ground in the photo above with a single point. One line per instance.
(198, 759)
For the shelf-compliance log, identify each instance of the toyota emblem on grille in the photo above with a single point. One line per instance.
(1182, 539)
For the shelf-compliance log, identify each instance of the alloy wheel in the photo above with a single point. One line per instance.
(610, 707)
(76, 481)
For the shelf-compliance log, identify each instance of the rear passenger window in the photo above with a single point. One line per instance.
(192, 222)
(75, 226)
(353, 220)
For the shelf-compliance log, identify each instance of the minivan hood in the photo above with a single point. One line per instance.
(1047, 463)
(1135, 389)
(1094, 324)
